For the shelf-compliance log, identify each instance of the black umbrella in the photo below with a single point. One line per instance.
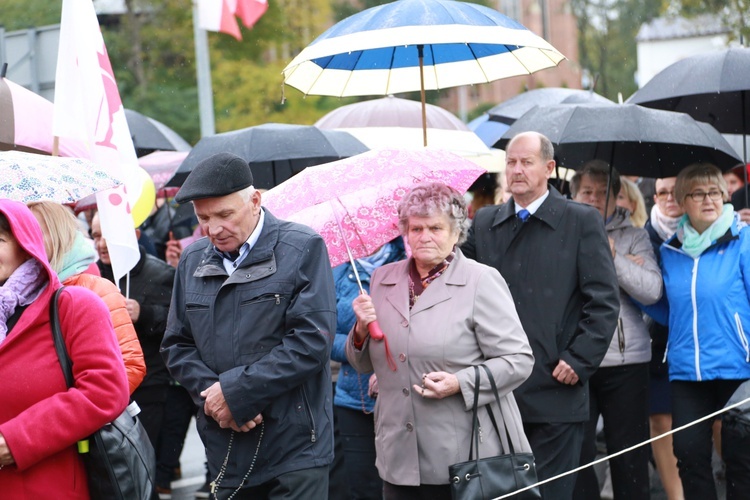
(275, 151)
(515, 107)
(150, 135)
(713, 87)
(635, 140)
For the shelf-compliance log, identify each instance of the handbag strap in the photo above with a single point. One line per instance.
(507, 442)
(62, 352)
(474, 440)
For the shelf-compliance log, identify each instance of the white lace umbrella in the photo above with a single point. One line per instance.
(28, 177)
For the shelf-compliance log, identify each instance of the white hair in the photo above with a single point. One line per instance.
(246, 193)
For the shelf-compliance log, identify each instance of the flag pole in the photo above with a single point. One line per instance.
(203, 70)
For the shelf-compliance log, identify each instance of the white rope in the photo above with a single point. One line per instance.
(626, 450)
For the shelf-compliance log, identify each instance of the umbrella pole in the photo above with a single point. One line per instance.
(609, 183)
(374, 327)
(420, 51)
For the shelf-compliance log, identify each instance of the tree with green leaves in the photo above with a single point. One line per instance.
(606, 43)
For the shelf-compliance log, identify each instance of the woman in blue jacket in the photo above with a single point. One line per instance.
(353, 402)
(706, 271)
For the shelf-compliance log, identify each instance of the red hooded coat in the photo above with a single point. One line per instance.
(40, 419)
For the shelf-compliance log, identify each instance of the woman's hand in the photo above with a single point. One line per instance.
(5, 457)
(438, 385)
(364, 310)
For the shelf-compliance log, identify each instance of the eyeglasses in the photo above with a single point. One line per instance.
(699, 196)
(663, 195)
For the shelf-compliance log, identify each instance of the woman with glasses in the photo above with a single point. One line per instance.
(706, 271)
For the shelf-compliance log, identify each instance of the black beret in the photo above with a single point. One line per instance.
(216, 176)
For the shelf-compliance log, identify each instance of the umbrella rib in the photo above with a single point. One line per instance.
(351, 73)
(390, 72)
(341, 229)
(434, 67)
(481, 68)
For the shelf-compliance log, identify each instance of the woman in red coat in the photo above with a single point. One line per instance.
(40, 418)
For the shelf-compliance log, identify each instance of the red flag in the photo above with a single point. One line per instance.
(250, 11)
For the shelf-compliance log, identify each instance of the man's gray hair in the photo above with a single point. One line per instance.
(431, 199)
(246, 193)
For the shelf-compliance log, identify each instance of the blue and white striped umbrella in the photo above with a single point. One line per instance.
(376, 51)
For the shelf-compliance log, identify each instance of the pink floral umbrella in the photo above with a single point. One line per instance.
(353, 203)
(360, 195)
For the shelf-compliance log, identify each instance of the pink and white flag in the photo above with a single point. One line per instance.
(218, 15)
(250, 11)
(88, 107)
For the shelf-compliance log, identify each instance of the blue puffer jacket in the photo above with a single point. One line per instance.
(707, 308)
(351, 388)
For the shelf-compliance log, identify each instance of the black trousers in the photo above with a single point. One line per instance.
(692, 446)
(304, 484)
(152, 399)
(557, 449)
(178, 411)
(620, 395)
(421, 492)
(357, 431)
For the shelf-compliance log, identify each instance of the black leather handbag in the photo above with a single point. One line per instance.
(491, 477)
(119, 459)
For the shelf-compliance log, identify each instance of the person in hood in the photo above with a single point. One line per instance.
(706, 304)
(619, 388)
(41, 420)
(70, 256)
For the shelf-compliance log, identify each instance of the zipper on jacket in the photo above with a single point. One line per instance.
(313, 438)
(276, 297)
(694, 300)
(666, 350)
(743, 338)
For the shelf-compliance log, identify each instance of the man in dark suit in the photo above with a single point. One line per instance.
(556, 258)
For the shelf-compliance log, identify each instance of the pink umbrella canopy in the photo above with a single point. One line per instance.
(26, 123)
(161, 166)
(360, 195)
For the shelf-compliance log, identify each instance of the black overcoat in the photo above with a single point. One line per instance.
(559, 268)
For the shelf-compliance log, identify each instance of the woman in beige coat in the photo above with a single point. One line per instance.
(442, 314)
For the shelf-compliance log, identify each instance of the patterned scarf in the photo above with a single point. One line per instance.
(417, 284)
(21, 289)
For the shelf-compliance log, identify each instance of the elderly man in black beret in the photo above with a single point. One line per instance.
(249, 336)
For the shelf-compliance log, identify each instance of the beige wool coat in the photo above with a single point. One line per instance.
(464, 318)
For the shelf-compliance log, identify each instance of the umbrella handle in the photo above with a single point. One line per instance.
(375, 332)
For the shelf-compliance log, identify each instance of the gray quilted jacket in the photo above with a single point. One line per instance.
(631, 342)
